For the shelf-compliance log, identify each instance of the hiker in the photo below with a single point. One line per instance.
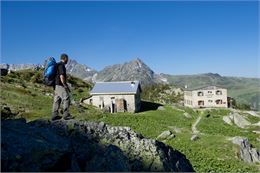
(61, 93)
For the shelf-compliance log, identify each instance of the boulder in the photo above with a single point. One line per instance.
(187, 115)
(247, 152)
(237, 119)
(227, 120)
(161, 108)
(42, 146)
(240, 121)
(166, 135)
(194, 137)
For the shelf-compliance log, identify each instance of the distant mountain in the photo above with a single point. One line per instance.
(16, 67)
(133, 70)
(81, 71)
(244, 90)
(73, 68)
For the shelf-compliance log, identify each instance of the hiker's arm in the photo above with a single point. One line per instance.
(63, 81)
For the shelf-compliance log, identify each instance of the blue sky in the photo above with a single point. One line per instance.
(170, 37)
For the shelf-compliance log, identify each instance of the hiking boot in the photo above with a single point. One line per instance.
(55, 118)
(69, 117)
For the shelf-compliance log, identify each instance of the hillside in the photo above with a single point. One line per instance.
(23, 96)
(244, 90)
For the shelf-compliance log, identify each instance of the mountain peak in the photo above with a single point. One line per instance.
(137, 63)
(138, 60)
(216, 75)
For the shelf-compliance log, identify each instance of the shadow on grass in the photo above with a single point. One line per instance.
(148, 106)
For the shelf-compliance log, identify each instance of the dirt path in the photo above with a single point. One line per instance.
(193, 128)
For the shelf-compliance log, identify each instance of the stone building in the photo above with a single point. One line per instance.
(210, 96)
(123, 96)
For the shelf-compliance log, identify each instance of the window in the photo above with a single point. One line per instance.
(200, 93)
(200, 102)
(218, 92)
(218, 102)
(209, 92)
(210, 101)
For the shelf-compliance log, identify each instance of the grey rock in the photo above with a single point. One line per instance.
(161, 108)
(247, 152)
(166, 135)
(237, 119)
(227, 120)
(194, 137)
(187, 115)
(240, 121)
(83, 146)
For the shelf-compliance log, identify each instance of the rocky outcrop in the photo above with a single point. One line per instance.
(247, 152)
(83, 146)
(237, 119)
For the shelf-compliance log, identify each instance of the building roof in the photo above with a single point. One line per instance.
(121, 87)
(213, 87)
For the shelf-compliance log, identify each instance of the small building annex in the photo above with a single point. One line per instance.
(206, 97)
(122, 96)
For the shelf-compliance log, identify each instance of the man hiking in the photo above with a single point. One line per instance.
(62, 91)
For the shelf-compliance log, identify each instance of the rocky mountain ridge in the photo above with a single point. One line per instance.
(133, 70)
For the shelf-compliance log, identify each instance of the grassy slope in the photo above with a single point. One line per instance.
(244, 90)
(212, 152)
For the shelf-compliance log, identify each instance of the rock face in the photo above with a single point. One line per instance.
(238, 120)
(247, 152)
(133, 70)
(83, 146)
(80, 71)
